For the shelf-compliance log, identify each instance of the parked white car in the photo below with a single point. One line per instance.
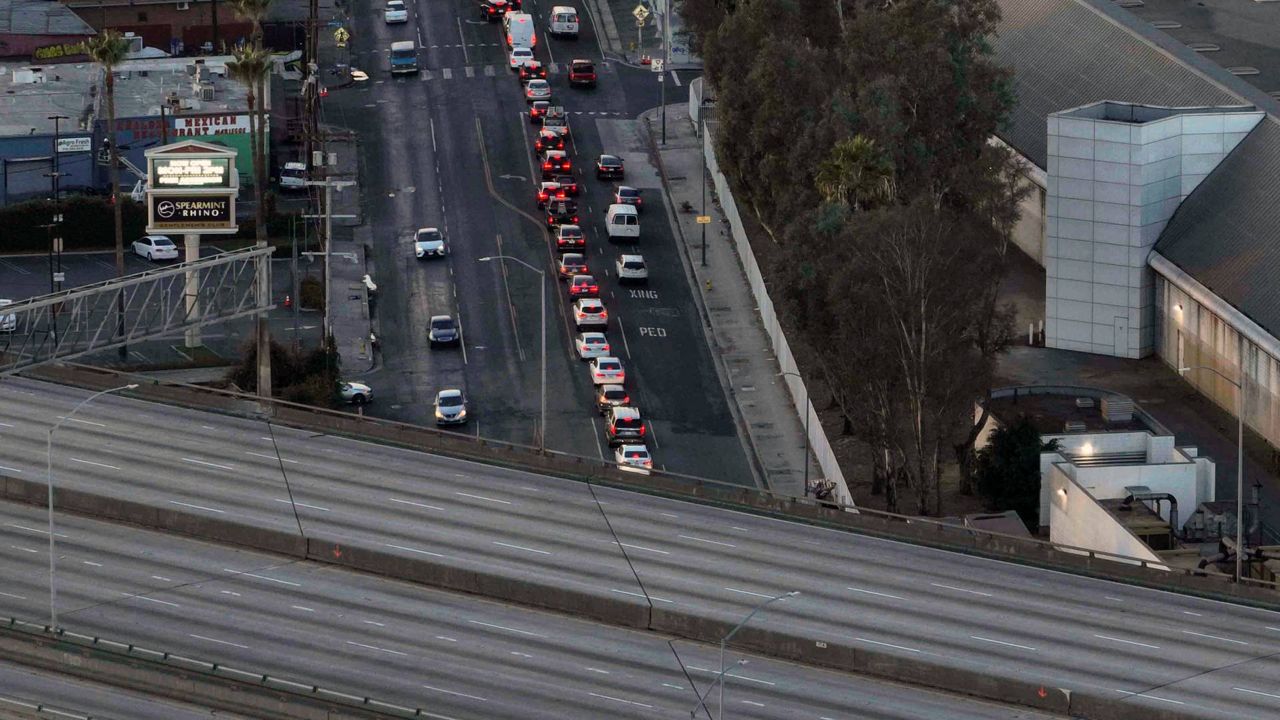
(9, 322)
(395, 12)
(155, 247)
(429, 242)
(356, 393)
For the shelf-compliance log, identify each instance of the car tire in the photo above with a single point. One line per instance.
(359, 399)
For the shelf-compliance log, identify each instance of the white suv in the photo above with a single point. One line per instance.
(631, 268)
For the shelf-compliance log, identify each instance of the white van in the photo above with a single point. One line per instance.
(622, 222)
(564, 22)
(519, 29)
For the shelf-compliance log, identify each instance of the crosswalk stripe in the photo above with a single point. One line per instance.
(470, 71)
(425, 75)
(448, 74)
(555, 68)
(488, 71)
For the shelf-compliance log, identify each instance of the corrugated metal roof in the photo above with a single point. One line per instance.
(1226, 234)
(40, 17)
(1067, 53)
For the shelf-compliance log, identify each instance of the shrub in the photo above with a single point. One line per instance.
(88, 223)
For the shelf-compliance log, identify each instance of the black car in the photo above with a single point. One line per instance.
(610, 166)
(547, 140)
(532, 70)
(562, 212)
(568, 183)
(492, 10)
(443, 331)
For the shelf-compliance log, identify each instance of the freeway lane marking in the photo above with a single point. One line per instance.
(481, 497)
(198, 507)
(521, 547)
(220, 642)
(751, 702)
(450, 692)
(960, 589)
(748, 592)
(629, 702)
(503, 627)
(304, 505)
(1188, 612)
(729, 674)
(201, 462)
(34, 530)
(94, 464)
(413, 550)
(415, 504)
(262, 577)
(1127, 642)
(636, 594)
(1276, 629)
(1256, 692)
(270, 457)
(1150, 697)
(144, 597)
(873, 592)
(4, 424)
(303, 609)
(639, 547)
(374, 647)
(11, 595)
(597, 670)
(17, 547)
(1001, 642)
(712, 542)
(84, 422)
(877, 642)
(9, 469)
(1214, 637)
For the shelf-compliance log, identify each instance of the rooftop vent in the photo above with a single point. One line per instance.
(1166, 24)
(1117, 409)
(1244, 70)
(1074, 426)
(1204, 47)
(1084, 402)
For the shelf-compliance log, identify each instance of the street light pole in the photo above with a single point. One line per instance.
(723, 641)
(542, 280)
(702, 128)
(1239, 453)
(53, 585)
(807, 415)
(328, 186)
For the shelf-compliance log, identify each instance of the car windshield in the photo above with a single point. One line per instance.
(628, 192)
(450, 401)
(571, 232)
(403, 54)
(583, 67)
(442, 324)
(615, 394)
(627, 422)
(633, 265)
(430, 236)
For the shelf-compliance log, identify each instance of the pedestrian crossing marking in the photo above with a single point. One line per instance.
(448, 74)
(471, 71)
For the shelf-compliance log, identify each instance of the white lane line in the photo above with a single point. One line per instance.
(374, 647)
(158, 602)
(732, 675)
(873, 592)
(508, 629)
(271, 457)
(676, 79)
(450, 692)
(628, 702)
(521, 547)
(676, 687)
(1274, 629)
(158, 577)
(1113, 598)
(220, 642)
(303, 609)
(640, 547)
(885, 644)
(88, 562)
(625, 345)
(95, 464)
(1188, 612)
(208, 427)
(446, 639)
(1256, 692)
(1001, 642)
(481, 497)
(9, 469)
(311, 507)
(748, 592)
(16, 547)
(960, 589)
(704, 540)
(598, 670)
(7, 425)
(520, 654)
(262, 577)
(11, 595)
(1127, 642)
(413, 550)
(228, 592)
(198, 507)
(667, 514)
(415, 504)
(747, 702)
(82, 422)
(34, 530)
(371, 622)
(1214, 637)
(654, 598)
(201, 462)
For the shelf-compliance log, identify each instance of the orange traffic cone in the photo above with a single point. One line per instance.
(644, 60)
(288, 301)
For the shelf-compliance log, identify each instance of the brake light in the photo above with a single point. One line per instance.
(567, 164)
(626, 399)
(546, 165)
(509, 38)
(642, 428)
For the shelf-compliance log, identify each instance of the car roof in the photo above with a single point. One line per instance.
(563, 8)
(612, 387)
(590, 302)
(633, 448)
(451, 392)
(572, 257)
(404, 45)
(569, 227)
(631, 258)
(627, 188)
(623, 208)
(607, 358)
(440, 317)
(582, 276)
(607, 156)
(575, 61)
(626, 411)
(427, 230)
(593, 334)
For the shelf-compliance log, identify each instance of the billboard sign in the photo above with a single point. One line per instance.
(188, 173)
(191, 213)
(75, 144)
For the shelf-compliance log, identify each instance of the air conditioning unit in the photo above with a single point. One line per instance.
(184, 6)
(206, 91)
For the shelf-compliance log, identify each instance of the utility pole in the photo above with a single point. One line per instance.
(55, 236)
(328, 185)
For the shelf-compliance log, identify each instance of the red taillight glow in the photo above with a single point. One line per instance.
(566, 165)
(642, 428)
(546, 166)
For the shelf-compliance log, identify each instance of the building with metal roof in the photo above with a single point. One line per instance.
(1156, 183)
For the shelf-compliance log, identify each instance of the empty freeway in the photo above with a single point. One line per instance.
(1151, 648)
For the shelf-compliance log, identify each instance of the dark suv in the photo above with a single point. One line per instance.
(492, 10)
(561, 212)
(582, 72)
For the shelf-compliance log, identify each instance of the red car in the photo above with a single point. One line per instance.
(583, 286)
(550, 191)
(569, 184)
(548, 140)
(532, 70)
(582, 72)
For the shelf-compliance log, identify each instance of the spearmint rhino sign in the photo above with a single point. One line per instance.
(191, 212)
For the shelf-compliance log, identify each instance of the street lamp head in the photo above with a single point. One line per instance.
(486, 258)
(1184, 370)
(131, 386)
(793, 593)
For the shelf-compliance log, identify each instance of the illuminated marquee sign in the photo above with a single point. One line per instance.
(191, 212)
(192, 188)
(190, 173)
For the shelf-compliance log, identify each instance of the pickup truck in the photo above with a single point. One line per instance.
(582, 72)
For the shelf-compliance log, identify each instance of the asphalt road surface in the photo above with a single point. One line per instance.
(452, 148)
(1152, 647)
(22, 687)
(453, 655)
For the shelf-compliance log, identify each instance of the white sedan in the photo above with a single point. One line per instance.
(519, 56)
(395, 12)
(155, 247)
(633, 458)
(356, 393)
(9, 322)
(591, 345)
(429, 242)
(607, 371)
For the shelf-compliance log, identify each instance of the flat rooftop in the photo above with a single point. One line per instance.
(40, 17)
(141, 89)
(1051, 413)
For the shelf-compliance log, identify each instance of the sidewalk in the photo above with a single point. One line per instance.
(757, 396)
(616, 27)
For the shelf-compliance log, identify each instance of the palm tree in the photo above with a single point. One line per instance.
(254, 11)
(250, 68)
(108, 49)
(856, 174)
